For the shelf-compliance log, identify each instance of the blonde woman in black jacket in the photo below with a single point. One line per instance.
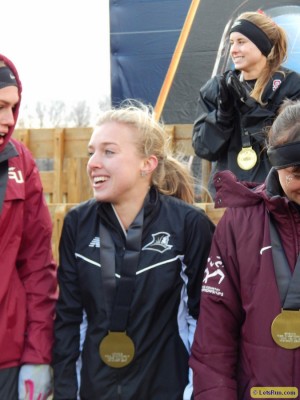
(133, 260)
(236, 108)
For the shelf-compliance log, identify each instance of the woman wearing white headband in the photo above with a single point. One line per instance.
(236, 108)
(248, 332)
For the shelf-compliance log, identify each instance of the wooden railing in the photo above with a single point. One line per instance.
(58, 212)
(64, 174)
(61, 155)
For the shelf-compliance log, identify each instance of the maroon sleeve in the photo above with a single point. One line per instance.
(37, 269)
(215, 349)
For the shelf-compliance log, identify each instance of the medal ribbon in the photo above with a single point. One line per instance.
(288, 283)
(125, 288)
(246, 142)
(108, 267)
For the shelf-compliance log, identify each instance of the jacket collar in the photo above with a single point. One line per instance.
(8, 152)
(234, 193)
(151, 209)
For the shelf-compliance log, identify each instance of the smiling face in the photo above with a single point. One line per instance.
(118, 174)
(246, 56)
(9, 97)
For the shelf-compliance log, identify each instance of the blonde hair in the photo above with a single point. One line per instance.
(171, 176)
(278, 54)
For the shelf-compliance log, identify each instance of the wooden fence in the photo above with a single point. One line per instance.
(61, 155)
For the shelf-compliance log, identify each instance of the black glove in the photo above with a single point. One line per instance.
(225, 97)
(238, 90)
(225, 104)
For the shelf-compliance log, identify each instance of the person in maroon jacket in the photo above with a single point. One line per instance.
(248, 333)
(28, 283)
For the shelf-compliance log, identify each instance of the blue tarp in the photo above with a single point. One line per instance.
(143, 35)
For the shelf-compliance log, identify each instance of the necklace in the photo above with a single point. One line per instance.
(248, 84)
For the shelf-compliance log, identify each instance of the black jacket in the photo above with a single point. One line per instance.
(164, 308)
(215, 142)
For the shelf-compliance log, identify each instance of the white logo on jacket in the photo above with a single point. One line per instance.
(213, 269)
(15, 175)
(95, 242)
(159, 243)
(218, 264)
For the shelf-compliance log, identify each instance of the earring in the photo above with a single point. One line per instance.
(288, 179)
(143, 173)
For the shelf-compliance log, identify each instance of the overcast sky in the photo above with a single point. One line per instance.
(60, 48)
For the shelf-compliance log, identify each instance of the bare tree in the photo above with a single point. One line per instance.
(56, 113)
(21, 123)
(40, 110)
(26, 118)
(80, 114)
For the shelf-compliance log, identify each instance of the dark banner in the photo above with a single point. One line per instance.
(143, 36)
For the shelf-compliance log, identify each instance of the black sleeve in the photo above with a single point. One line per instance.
(210, 137)
(68, 316)
(199, 234)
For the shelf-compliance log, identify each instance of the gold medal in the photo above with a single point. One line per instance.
(246, 158)
(116, 349)
(285, 329)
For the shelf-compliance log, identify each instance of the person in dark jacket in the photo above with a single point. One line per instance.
(248, 333)
(131, 265)
(28, 285)
(235, 109)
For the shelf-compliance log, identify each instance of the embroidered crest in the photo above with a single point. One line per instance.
(159, 243)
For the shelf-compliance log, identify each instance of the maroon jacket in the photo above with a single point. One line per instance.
(233, 349)
(28, 283)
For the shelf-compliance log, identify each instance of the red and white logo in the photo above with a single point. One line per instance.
(15, 175)
(276, 84)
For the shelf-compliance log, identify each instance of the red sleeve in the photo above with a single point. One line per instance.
(37, 269)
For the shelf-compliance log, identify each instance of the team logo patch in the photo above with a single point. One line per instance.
(215, 272)
(276, 84)
(95, 242)
(159, 243)
(15, 175)
(217, 265)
